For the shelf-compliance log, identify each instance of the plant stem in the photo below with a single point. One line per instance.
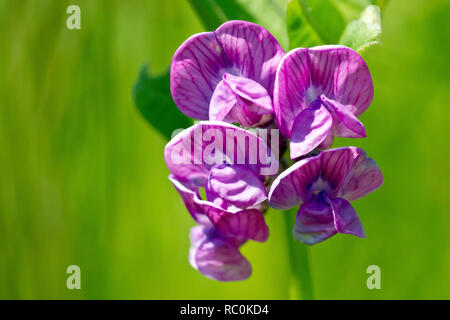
(300, 276)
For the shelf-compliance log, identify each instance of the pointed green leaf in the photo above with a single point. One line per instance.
(365, 32)
(152, 97)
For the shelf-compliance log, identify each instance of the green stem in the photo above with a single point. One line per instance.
(300, 281)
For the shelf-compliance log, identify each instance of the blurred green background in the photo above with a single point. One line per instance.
(83, 180)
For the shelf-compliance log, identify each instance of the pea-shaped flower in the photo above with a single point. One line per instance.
(227, 74)
(319, 93)
(219, 158)
(323, 186)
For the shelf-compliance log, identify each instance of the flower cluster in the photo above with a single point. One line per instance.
(239, 77)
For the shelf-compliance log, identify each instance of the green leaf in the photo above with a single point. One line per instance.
(363, 33)
(300, 32)
(209, 13)
(152, 97)
(313, 22)
(213, 13)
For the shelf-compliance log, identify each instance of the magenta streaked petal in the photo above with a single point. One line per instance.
(216, 258)
(314, 222)
(364, 177)
(345, 218)
(195, 71)
(251, 91)
(243, 224)
(342, 75)
(335, 165)
(237, 47)
(346, 124)
(292, 186)
(309, 130)
(193, 152)
(235, 185)
(304, 74)
(251, 51)
(290, 89)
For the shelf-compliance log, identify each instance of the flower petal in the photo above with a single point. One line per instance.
(251, 91)
(304, 74)
(310, 129)
(345, 218)
(314, 222)
(242, 48)
(342, 75)
(242, 225)
(194, 73)
(235, 185)
(346, 124)
(363, 178)
(193, 152)
(292, 186)
(216, 258)
(251, 52)
(223, 101)
(291, 84)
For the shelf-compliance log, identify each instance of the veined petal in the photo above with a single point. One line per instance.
(363, 178)
(241, 225)
(314, 222)
(345, 218)
(292, 186)
(310, 129)
(223, 101)
(238, 47)
(341, 74)
(346, 123)
(251, 51)
(290, 96)
(235, 185)
(194, 73)
(216, 258)
(304, 74)
(193, 152)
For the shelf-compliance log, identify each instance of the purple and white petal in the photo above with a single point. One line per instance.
(235, 186)
(251, 52)
(243, 224)
(196, 69)
(216, 258)
(310, 129)
(290, 92)
(364, 177)
(240, 48)
(346, 124)
(341, 74)
(193, 152)
(190, 199)
(337, 72)
(345, 218)
(314, 222)
(293, 186)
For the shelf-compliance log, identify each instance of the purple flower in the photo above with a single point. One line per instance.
(227, 74)
(319, 93)
(323, 186)
(205, 156)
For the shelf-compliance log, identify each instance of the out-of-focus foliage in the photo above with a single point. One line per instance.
(152, 97)
(363, 33)
(83, 179)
